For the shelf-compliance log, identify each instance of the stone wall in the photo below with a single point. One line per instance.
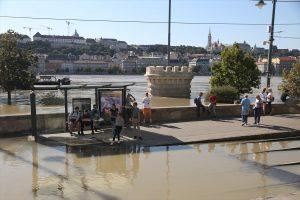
(21, 124)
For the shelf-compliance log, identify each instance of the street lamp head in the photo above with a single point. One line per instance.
(260, 4)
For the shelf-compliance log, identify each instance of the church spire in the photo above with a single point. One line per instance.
(209, 40)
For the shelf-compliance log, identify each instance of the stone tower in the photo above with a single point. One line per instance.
(170, 81)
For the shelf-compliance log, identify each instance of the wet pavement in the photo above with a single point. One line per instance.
(252, 170)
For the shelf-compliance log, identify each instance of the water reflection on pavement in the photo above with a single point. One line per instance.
(236, 170)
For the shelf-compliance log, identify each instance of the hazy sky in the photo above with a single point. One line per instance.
(243, 11)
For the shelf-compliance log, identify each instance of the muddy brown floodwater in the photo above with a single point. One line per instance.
(227, 171)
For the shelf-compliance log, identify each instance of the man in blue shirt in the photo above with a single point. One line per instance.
(245, 109)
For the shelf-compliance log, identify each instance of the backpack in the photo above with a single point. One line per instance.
(272, 99)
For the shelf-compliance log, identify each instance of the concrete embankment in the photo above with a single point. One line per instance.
(15, 125)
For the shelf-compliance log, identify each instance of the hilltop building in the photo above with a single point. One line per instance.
(214, 47)
(59, 40)
(112, 43)
(244, 46)
(201, 65)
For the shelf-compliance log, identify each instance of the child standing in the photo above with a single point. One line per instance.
(119, 126)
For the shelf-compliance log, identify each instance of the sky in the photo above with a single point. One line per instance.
(240, 11)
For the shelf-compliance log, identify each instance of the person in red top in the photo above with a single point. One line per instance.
(212, 105)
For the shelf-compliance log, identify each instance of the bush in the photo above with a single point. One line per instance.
(51, 98)
(224, 94)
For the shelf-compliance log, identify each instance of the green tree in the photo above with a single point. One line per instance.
(114, 70)
(87, 70)
(236, 69)
(99, 70)
(15, 64)
(291, 81)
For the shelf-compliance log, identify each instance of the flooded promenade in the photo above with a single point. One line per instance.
(199, 83)
(227, 171)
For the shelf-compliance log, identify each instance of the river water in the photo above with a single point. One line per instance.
(215, 171)
(199, 83)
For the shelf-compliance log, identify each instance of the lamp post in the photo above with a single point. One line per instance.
(169, 33)
(260, 4)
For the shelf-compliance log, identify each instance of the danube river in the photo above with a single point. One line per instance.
(199, 83)
(214, 171)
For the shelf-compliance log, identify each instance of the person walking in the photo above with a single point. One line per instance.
(94, 115)
(113, 116)
(199, 105)
(257, 109)
(136, 121)
(245, 109)
(146, 108)
(270, 99)
(212, 105)
(128, 108)
(119, 126)
(263, 97)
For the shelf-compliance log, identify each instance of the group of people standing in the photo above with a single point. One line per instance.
(132, 116)
(127, 117)
(261, 106)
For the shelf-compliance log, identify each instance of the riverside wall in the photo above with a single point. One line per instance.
(15, 125)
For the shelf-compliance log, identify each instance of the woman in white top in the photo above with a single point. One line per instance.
(257, 109)
(263, 97)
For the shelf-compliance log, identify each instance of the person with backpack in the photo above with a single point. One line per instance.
(270, 99)
(94, 115)
(128, 109)
(257, 108)
(199, 105)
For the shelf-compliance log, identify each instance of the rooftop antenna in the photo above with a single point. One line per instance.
(49, 28)
(68, 24)
(29, 29)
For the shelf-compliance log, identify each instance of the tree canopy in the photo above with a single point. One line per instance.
(15, 64)
(291, 81)
(236, 69)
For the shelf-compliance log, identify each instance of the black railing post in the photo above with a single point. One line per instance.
(66, 109)
(33, 115)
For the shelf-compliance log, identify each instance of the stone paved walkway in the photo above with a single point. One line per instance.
(192, 132)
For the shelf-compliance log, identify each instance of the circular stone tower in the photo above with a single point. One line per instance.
(169, 81)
